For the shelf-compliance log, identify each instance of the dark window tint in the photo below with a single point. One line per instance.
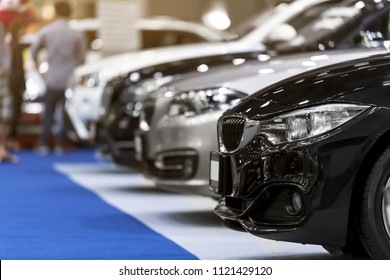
(159, 38)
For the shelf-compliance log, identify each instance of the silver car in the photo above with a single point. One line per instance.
(178, 129)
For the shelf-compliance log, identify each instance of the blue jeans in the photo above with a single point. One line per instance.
(52, 100)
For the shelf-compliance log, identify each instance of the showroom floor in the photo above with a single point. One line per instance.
(76, 206)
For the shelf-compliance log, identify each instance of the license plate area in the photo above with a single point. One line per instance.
(214, 170)
(220, 177)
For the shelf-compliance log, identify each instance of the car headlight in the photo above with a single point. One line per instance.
(194, 102)
(307, 123)
(98, 78)
(152, 84)
(90, 80)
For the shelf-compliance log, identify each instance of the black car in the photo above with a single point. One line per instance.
(125, 97)
(308, 159)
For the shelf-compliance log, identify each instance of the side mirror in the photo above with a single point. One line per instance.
(282, 33)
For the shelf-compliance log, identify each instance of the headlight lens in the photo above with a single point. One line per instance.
(150, 85)
(194, 102)
(91, 80)
(307, 123)
(97, 79)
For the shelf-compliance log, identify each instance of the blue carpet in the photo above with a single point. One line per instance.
(46, 216)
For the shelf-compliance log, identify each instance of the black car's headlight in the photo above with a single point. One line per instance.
(145, 86)
(150, 85)
(309, 122)
(195, 102)
(295, 126)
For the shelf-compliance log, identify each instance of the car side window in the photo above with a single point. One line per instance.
(313, 13)
(159, 38)
(315, 24)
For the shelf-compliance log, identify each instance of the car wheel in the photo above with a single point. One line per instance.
(375, 209)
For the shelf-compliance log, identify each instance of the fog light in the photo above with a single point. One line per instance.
(294, 203)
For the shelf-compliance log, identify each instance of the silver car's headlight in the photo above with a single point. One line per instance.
(307, 123)
(194, 102)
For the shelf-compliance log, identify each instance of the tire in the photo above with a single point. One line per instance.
(375, 209)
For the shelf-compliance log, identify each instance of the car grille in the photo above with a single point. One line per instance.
(232, 132)
(148, 108)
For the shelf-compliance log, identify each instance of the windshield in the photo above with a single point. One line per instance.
(318, 23)
(279, 15)
(324, 25)
(253, 22)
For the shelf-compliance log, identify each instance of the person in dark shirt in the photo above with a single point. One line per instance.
(5, 100)
(15, 17)
(17, 81)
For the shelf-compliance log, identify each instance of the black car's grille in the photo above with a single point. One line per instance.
(232, 131)
(148, 108)
(123, 127)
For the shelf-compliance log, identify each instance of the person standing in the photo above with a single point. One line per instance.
(17, 81)
(5, 100)
(16, 16)
(65, 49)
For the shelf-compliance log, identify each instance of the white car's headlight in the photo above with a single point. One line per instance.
(194, 102)
(90, 80)
(307, 123)
(98, 78)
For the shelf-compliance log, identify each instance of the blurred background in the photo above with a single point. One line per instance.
(119, 15)
(184, 9)
(125, 26)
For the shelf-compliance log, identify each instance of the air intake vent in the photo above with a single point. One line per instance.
(148, 108)
(232, 132)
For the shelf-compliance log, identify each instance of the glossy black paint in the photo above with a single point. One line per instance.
(327, 171)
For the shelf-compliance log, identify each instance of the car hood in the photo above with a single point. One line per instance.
(253, 76)
(339, 82)
(123, 63)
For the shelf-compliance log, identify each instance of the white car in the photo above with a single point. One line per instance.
(86, 86)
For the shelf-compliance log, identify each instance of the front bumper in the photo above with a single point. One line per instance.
(172, 170)
(121, 152)
(117, 132)
(298, 194)
(179, 157)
